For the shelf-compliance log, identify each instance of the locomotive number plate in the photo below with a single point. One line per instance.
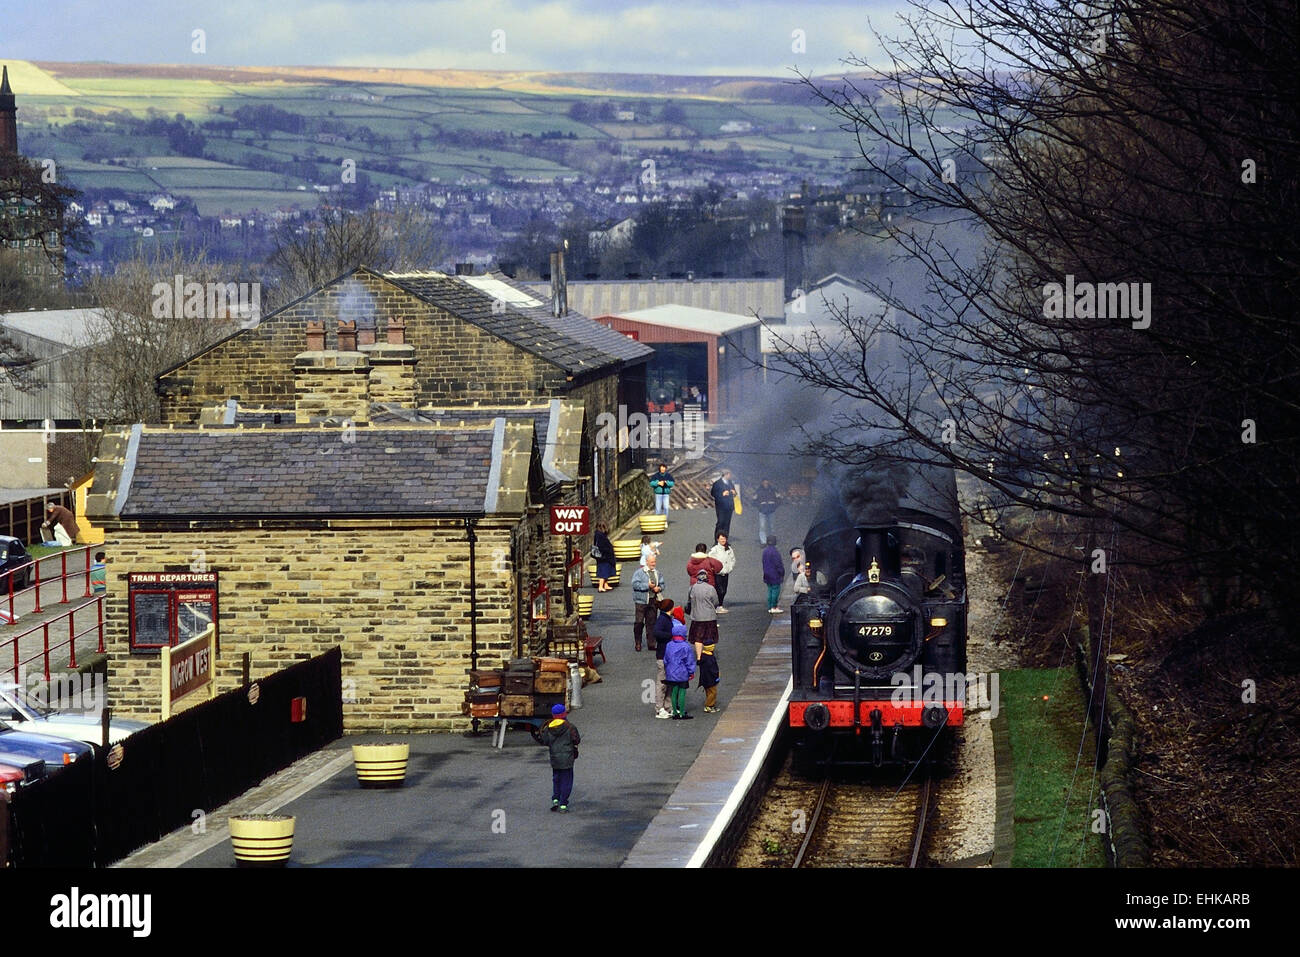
(876, 631)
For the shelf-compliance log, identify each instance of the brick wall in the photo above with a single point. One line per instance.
(395, 598)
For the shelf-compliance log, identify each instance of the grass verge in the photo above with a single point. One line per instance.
(1056, 787)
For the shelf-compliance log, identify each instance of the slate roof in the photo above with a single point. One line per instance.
(560, 460)
(281, 472)
(574, 342)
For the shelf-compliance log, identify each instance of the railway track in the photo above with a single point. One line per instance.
(867, 825)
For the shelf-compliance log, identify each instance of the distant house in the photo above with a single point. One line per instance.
(736, 126)
(162, 202)
(610, 234)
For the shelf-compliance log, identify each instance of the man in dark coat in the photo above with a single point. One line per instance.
(768, 500)
(563, 740)
(724, 501)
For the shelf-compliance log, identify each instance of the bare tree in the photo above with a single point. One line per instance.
(1103, 201)
(309, 255)
(143, 329)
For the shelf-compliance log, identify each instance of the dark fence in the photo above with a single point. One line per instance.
(89, 815)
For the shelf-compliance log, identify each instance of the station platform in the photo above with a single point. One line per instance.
(468, 804)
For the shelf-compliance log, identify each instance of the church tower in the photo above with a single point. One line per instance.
(8, 117)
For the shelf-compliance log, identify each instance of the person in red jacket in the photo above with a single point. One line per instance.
(700, 561)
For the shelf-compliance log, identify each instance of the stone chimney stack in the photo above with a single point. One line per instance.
(793, 231)
(331, 383)
(559, 288)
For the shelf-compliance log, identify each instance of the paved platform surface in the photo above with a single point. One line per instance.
(467, 804)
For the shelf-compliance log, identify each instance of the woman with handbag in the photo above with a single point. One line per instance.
(602, 550)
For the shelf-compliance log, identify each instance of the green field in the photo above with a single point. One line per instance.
(1056, 790)
(436, 108)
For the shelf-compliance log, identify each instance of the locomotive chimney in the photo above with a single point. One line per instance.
(879, 544)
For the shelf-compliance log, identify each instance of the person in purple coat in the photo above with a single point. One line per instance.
(773, 575)
(679, 666)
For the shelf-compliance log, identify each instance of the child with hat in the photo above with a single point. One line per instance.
(679, 665)
(563, 739)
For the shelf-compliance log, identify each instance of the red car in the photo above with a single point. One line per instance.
(12, 777)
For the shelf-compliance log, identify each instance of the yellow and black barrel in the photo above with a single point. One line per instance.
(381, 765)
(653, 525)
(262, 840)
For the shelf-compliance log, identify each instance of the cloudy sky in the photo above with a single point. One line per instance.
(755, 37)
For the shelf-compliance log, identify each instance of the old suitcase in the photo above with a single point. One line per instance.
(550, 682)
(485, 679)
(521, 665)
(518, 684)
(544, 702)
(482, 697)
(483, 710)
(517, 706)
(553, 664)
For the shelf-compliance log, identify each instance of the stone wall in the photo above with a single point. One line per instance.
(456, 362)
(394, 595)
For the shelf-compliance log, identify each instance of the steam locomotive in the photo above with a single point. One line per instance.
(878, 645)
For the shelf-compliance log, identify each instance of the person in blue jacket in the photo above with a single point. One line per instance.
(679, 666)
(661, 483)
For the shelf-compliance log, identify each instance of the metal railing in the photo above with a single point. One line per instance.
(9, 616)
(46, 647)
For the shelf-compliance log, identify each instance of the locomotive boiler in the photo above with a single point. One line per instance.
(878, 645)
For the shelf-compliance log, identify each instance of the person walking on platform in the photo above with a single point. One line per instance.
(773, 575)
(726, 556)
(646, 586)
(661, 483)
(679, 666)
(700, 561)
(704, 634)
(602, 550)
(563, 739)
(663, 636)
(724, 501)
(768, 500)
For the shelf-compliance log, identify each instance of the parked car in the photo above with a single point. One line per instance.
(14, 557)
(16, 775)
(55, 752)
(21, 713)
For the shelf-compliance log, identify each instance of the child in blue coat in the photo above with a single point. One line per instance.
(679, 666)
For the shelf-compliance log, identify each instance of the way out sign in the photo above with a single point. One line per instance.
(570, 519)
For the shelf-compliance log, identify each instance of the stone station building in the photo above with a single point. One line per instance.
(307, 496)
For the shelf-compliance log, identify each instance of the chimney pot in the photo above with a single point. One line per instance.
(347, 336)
(397, 331)
(315, 336)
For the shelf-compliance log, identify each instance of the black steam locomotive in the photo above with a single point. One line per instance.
(879, 643)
